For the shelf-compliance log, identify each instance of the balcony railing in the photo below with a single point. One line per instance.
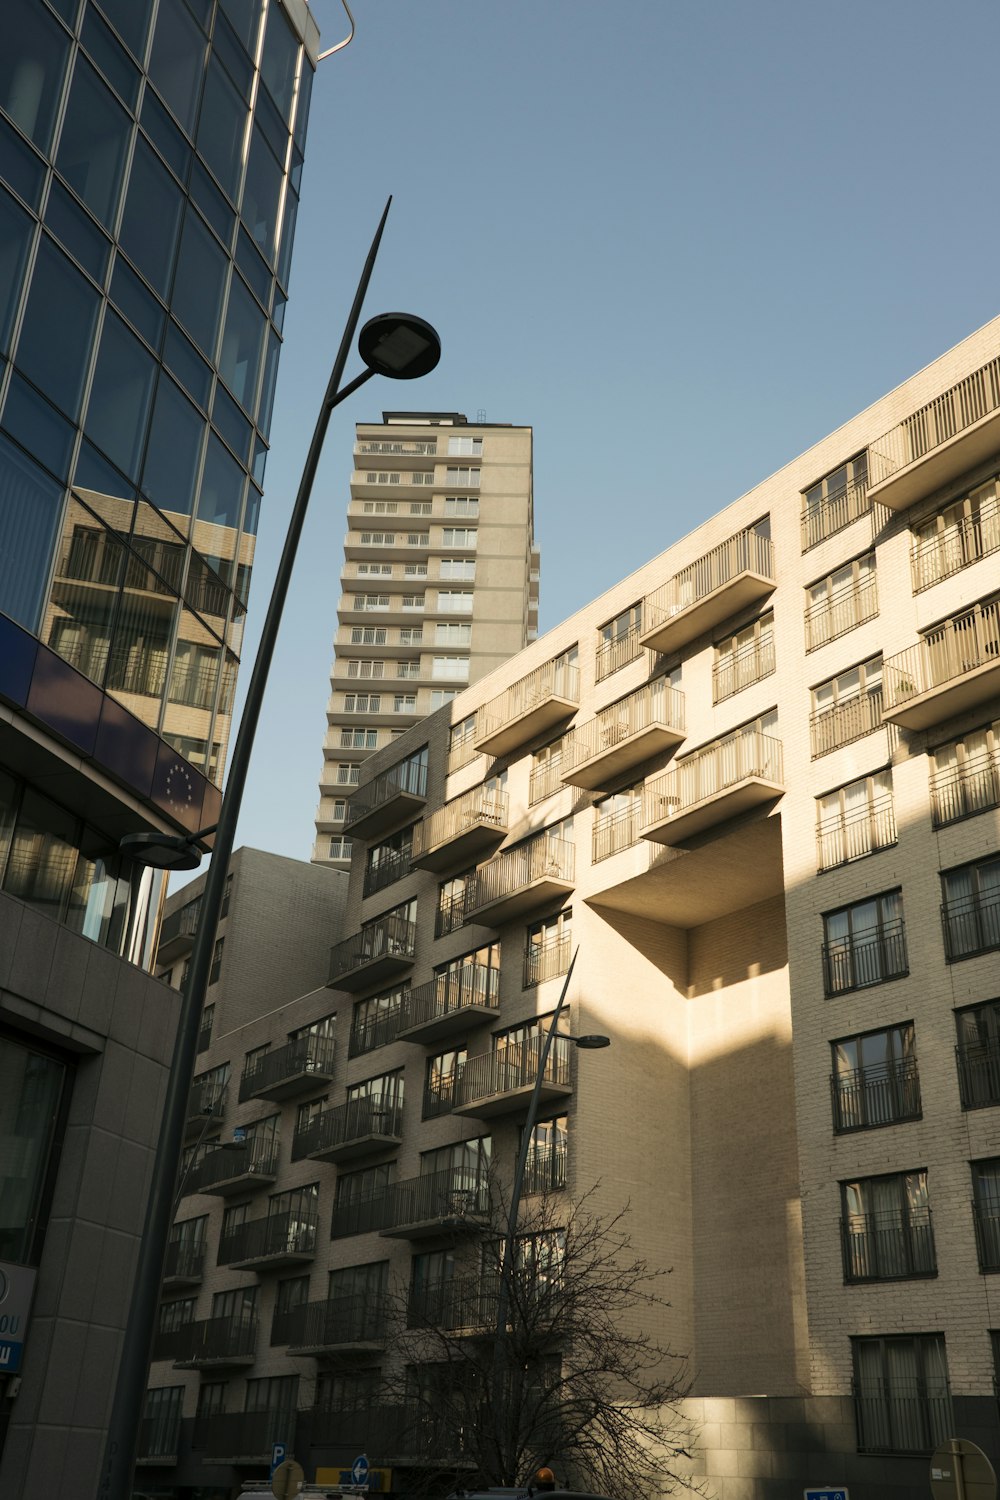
(623, 735)
(240, 1436)
(952, 668)
(205, 1029)
(159, 1436)
(289, 1237)
(350, 1129)
(888, 1246)
(708, 591)
(374, 1031)
(178, 931)
(540, 700)
(610, 655)
(450, 1001)
(902, 1416)
(393, 866)
(422, 448)
(545, 1169)
(616, 831)
(450, 914)
(384, 946)
(502, 1079)
(956, 546)
(972, 786)
(547, 960)
(211, 1341)
(854, 963)
(462, 829)
(338, 1323)
(867, 1098)
(842, 611)
(463, 1302)
(206, 1103)
(184, 1261)
(986, 1217)
(742, 771)
(453, 1198)
(303, 1062)
(833, 512)
(228, 1168)
(829, 728)
(740, 669)
(517, 879)
(971, 924)
(849, 836)
(978, 1074)
(946, 437)
(397, 791)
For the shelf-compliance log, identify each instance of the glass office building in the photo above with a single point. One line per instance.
(150, 159)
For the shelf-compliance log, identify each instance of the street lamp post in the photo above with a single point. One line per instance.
(402, 347)
(504, 1288)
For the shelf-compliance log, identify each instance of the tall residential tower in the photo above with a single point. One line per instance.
(439, 585)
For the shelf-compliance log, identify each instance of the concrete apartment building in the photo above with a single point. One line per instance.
(439, 585)
(756, 784)
(145, 266)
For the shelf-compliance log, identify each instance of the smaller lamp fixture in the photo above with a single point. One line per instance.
(399, 345)
(165, 851)
(591, 1043)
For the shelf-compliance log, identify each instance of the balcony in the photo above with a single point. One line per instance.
(296, 1068)
(184, 1264)
(728, 777)
(519, 880)
(735, 670)
(462, 831)
(392, 797)
(851, 836)
(396, 453)
(971, 924)
(383, 949)
(206, 1105)
(341, 1325)
(406, 1437)
(212, 1343)
(953, 668)
(450, 1003)
(456, 1198)
(956, 546)
(865, 1099)
(236, 1167)
(888, 1246)
(349, 1130)
(240, 1437)
(393, 865)
(842, 611)
(709, 591)
(547, 959)
(615, 653)
(843, 723)
(465, 1304)
(938, 443)
(830, 513)
(867, 958)
(177, 932)
(619, 738)
(501, 1081)
(270, 1244)
(159, 1437)
(978, 1074)
(533, 706)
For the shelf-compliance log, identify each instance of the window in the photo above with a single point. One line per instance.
(458, 569)
(369, 601)
(840, 601)
(374, 477)
(461, 743)
(291, 1293)
(864, 944)
(362, 703)
(417, 476)
(441, 696)
(380, 507)
(886, 1228)
(855, 820)
(348, 775)
(374, 570)
(451, 905)
(368, 635)
(159, 1430)
(375, 1105)
(275, 1395)
(340, 847)
(450, 668)
(216, 969)
(408, 669)
(454, 601)
(978, 1054)
(358, 1200)
(465, 447)
(986, 1212)
(546, 766)
(965, 776)
(616, 823)
(376, 1020)
(388, 861)
(413, 601)
(957, 536)
(418, 539)
(378, 539)
(443, 1072)
(404, 703)
(835, 501)
(847, 707)
(31, 1091)
(421, 507)
(461, 505)
(432, 1299)
(459, 476)
(545, 1165)
(415, 570)
(971, 909)
(339, 1391)
(358, 739)
(548, 947)
(743, 658)
(875, 1079)
(452, 635)
(901, 1396)
(356, 668)
(176, 1314)
(459, 536)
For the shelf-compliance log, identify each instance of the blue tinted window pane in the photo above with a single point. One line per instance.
(152, 218)
(272, 125)
(118, 409)
(277, 64)
(67, 9)
(252, 516)
(93, 143)
(37, 426)
(270, 378)
(137, 303)
(54, 346)
(259, 460)
(278, 309)
(215, 207)
(168, 476)
(242, 340)
(232, 423)
(302, 107)
(260, 196)
(287, 237)
(20, 168)
(164, 134)
(76, 231)
(187, 364)
(221, 498)
(32, 67)
(253, 268)
(245, 16)
(176, 61)
(295, 172)
(130, 19)
(16, 232)
(30, 503)
(232, 55)
(93, 472)
(221, 128)
(198, 287)
(111, 57)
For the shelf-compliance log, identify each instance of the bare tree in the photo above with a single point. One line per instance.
(577, 1380)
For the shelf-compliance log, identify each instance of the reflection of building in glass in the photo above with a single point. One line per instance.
(150, 156)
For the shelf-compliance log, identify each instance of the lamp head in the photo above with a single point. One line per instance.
(591, 1043)
(399, 345)
(161, 851)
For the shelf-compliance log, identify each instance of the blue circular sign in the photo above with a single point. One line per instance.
(359, 1470)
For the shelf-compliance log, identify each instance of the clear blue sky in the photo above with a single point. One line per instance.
(683, 239)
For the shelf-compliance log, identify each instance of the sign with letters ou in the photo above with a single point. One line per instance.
(17, 1286)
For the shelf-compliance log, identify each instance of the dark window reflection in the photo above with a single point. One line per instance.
(201, 274)
(37, 426)
(260, 196)
(32, 67)
(120, 397)
(54, 347)
(174, 451)
(221, 127)
(221, 497)
(245, 17)
(152, 218)
(239, 358)
(277, 64)
(31, 1089)
(174, 63)
(130, 18)
(93, 142)
(29, 512)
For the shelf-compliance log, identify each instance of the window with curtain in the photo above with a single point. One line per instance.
(986, 1208)
(875, 1079)
(971, 909)
(901, 1393)
(886, 1228)
(978, 1054)
(864, 944)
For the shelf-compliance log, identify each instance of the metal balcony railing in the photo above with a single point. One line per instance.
(746, 755)
(971, 924)
(339, 1321)
(943, 418)
(408, 779)
(546, 960)
(358, 1119)
(275, 1235)
(842, 610)
(184, 1260)
(302, 1055)
(740, 669)
(545, 1169)
(853, 835)
(971, 786)
(833, 512)
(450, 914)
(454, 1196)
(420, 448)
(374, 1031)
(390, 936)
(888, 1246)
(511, 1068)
(653, 704)
(978, 1074)
(210, 1340)
(159, 1435)
(205, 1028)
(554, 679)
(450, 993)
(956, 546)
(484, 805)
(391, 867)
(829, 728)
(986, 1217)
(616, 831)
(610, 655)
(902, 1415)
(854, 963)
(866, 1098)
(468, 1302)
(538, 858)
(253, 1158)
(181, 924)
(945, 655)
(746, 552)
(207, 1098)
(241, 1435)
